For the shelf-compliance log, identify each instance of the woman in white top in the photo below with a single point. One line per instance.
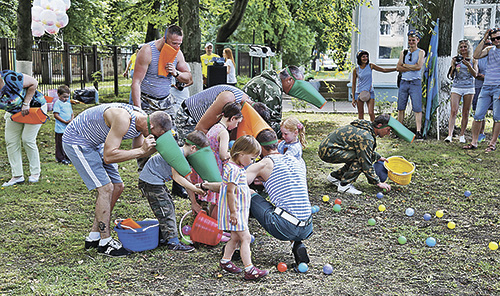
(231, 71)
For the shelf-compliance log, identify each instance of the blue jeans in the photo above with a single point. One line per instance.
(489, 96)
(412, 88)
(263, 211)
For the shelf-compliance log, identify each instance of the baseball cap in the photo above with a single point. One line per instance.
(415, 33)
(208, 44)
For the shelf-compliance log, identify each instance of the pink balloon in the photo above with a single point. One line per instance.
(37, 29)
(52, 29)
(35, 13)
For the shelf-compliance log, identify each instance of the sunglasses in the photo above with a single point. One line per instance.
(495, 38)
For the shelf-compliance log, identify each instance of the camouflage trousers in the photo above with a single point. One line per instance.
(352, 168)
(161, 203)
(150, 104)
(184, 124)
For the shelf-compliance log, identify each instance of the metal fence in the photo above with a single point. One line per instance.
(78, 66)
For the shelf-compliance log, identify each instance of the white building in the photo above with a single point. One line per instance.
(382, 32)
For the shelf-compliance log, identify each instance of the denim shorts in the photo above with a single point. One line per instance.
(412, 88)
(275, 225)
(463, 91)
(372, 95)
(488, 97)
(88, 162)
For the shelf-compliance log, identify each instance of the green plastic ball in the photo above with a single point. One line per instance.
(337, 208)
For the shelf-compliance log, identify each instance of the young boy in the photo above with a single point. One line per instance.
(63, 113)
(152, 185)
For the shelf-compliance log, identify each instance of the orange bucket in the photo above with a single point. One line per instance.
(205, 231)
(252, 123)
(167, 55)
(36, 116)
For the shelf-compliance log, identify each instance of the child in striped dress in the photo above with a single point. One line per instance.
(234, 206)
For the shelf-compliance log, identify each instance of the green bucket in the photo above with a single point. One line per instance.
(167, 146)
(305, 91)
(401, 130)
(204, 163)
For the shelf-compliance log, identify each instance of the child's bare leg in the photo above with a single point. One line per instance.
(245, 239)
(231, 245)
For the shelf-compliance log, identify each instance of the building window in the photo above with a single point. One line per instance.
(392, 33)
(480, 15)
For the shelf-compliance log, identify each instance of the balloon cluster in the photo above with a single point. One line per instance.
(48, 16)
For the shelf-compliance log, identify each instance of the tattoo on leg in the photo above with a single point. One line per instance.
(102, 226)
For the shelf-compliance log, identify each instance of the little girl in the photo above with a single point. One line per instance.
(294, 138)
(234, 206)
(218, 136)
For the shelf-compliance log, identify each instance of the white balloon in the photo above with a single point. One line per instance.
(35, 13)
(45, 4)
(62, 19)
(57, 6)
(48, 17)
(37, 3)
(51, 29)
(67, 3)
(37, 29)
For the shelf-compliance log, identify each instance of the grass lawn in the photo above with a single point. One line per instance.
(44, 225)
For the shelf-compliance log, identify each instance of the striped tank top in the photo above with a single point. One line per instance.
(90, 129)
(287, 186)
(152, 84)
(199, 103)
(492, 75)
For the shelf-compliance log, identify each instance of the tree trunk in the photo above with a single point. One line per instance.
(189, 21)
(231, 25)
(152, 33)
(24, 38)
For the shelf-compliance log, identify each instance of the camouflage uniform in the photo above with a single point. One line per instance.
(354, 145)
(160, 200)
(184, 124)
(267, 88)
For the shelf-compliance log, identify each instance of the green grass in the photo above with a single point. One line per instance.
(44, 224)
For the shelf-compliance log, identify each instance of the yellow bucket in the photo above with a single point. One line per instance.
(399, 169)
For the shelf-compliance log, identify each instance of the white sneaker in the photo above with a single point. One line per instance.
(448, 139)
(349, 188)
(13, 181)
(333, 180)
(34, 178)
(462, 139)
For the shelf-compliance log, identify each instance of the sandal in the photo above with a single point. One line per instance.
(469, 147)
(491, 148)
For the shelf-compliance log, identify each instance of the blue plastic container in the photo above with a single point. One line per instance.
(140, 239)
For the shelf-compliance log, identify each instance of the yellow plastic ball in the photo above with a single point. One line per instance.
(451, 225)
(439, 214)
(493, 246)
(326, 198)
(381, 208)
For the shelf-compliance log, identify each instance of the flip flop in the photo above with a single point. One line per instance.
(491, 148)
(469, 147)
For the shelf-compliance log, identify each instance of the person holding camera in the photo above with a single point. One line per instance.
(490, 92)
(463, 70)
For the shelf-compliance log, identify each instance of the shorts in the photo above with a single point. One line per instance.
(150, 104)
(476, 96)
(488, 97)
(88, 162)
(372, 95)
(463, 91)
(412, 88)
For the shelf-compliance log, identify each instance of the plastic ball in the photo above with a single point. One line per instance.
(313, 209)
(402, 240)
(337, 208)
(451, 225)
(430, 241)
(231, 143)
(493, 246)
(427, 216)
(252, 238)
(186, 239)
(381, 208)
(338, 201)
(409, 212)
(303, 267)
(467, 193)
(326, 198)
(439, 214)
(371, 221)
(317, 208)
(186, 230)
(327, 269)
(380, 195)
(282, 267)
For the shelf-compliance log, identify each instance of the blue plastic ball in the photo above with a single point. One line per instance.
(231, 144)
(467, 193)
(430, 241)
(380, 195)
(427, 216)
(303, 267)
(409, 212)
(252, 238)
(314, 209)
(327, 269)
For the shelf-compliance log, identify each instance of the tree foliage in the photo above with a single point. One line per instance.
(8, 18)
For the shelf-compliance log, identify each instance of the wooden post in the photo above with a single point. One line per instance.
(68, 75)
(4, 53)
(115, 68)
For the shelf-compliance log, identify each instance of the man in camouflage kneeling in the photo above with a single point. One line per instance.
(354, 145)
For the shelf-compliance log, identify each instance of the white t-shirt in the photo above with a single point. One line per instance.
(231, 76)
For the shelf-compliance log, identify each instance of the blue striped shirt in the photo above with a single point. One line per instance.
(287, 186)
(90, 129)
(199, 103)
(152, 84)
(492, 75)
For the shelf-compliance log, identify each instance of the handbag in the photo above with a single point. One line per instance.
(400, 74)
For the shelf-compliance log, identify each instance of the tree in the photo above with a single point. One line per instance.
(232, 23)
(24, 37)
(8, 11)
